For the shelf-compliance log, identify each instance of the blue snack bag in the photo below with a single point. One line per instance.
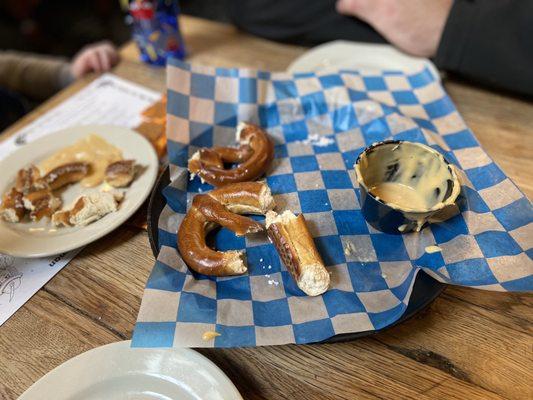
(156, 30)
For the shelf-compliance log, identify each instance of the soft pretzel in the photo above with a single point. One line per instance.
(65, 174)
(120, 173)
(297, 250)
(253, 156)
(12, 207)
(41, 203)
(29, 180)
(88, 208)
(222, 207)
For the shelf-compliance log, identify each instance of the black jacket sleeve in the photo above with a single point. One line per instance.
(490, 41)
(303, 22)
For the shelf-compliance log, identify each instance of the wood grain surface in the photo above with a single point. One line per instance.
(469, 344)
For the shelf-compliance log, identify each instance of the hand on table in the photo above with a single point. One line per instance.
(97, 57)
(414, 26)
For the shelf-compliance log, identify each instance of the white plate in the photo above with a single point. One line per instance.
(341, 54)
(116, 371)
(31, 239)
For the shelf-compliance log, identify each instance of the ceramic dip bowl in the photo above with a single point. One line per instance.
(404, 185)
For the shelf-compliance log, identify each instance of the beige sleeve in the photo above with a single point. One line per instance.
(35, 76)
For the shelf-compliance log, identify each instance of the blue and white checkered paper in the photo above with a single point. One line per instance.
(488, 245)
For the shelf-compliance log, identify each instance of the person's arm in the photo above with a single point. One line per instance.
(490, 41)
(302, 22)
(38, 77)
(35, 76)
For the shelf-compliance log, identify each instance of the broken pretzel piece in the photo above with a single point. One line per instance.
(88, 208)
(65, 174)
(41, 203)
(12, 208)
(120, 173)
(222, 207)
(253, 157)
(298, 252)
(29, 180)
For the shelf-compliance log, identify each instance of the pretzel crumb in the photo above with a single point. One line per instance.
(210, 335)
(432, 249)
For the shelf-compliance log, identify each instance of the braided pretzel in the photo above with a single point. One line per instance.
(222, 207)
(254, 155)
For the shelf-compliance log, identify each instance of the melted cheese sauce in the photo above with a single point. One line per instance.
(92, 149)
(402, 195)
(406, 176)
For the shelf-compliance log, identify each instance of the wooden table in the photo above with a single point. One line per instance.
(469, 344)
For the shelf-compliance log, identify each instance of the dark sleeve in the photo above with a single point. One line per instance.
(490, 41)
(303, 22)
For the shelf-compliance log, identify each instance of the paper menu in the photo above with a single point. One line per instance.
(20, 278)
(107, 100)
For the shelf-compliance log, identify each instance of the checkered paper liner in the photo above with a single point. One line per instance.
(320, 122)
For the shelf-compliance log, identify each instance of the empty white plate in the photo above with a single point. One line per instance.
(118, 372)
(39, 239)
(342, 54)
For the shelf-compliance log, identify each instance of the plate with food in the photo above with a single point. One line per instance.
(235, 194)
(72, 187)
